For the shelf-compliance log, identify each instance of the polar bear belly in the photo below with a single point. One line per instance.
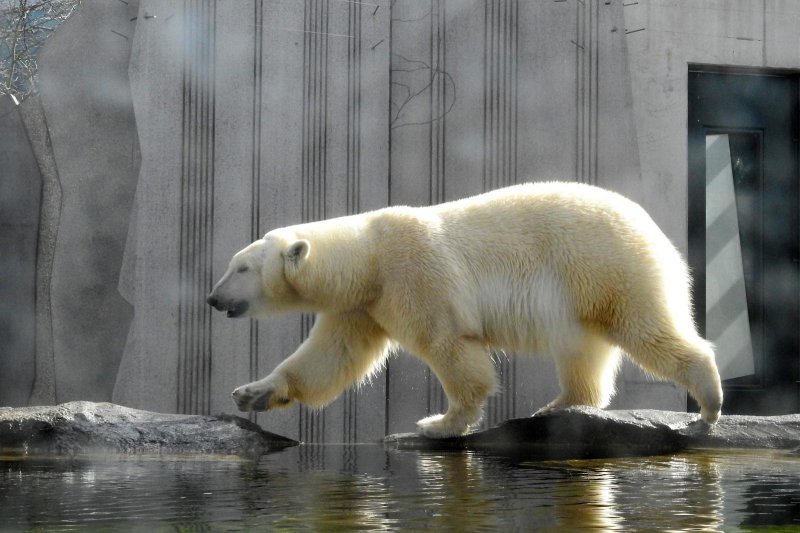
(533, 316)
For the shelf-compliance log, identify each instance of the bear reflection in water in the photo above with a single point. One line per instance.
(567, 269)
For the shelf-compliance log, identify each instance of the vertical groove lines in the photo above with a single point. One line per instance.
(197, 207)
(354, 109)
(350, 413)
(255, 182)
(436, 133)
(500, 94)
(438, 102)
(314, 165)
(587, 16)
(501, 37)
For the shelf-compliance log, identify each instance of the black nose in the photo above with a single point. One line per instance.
(212, 300)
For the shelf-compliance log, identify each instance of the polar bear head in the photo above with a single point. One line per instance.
(259, 278)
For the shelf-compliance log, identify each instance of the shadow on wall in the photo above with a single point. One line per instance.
(20, 196)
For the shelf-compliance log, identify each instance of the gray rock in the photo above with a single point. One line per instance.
(585, 432)
(88, 427)
(739, 431)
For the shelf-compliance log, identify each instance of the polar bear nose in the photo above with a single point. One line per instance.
(212, 300)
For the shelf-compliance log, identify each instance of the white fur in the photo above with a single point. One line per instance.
(559, 268)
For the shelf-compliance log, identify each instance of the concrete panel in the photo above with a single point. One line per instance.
(197, 206)
(148, 372)
(459, 141)
(85, 95)
(20, 199)
(548, 90)
(235, 204)
(617, 168)
(617, 151)
(44, 385)
(781, 38)
(460, 135)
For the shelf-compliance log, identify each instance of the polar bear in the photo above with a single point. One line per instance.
(567, 269)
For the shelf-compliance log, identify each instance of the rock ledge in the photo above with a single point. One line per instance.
(88, 427)
(585, 432)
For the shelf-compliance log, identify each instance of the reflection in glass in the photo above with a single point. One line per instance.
(727, 317)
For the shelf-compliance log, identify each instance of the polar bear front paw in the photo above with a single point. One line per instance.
(250, 399)
(258, 396)
(442, 426)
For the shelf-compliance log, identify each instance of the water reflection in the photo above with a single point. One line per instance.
(367, 487)
(681, 492)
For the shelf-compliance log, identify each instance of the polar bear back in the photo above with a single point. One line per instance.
(548, 257)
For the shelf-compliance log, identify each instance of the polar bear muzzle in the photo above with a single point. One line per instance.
(234, 308)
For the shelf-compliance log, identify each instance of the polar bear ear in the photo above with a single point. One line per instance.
(297, 252)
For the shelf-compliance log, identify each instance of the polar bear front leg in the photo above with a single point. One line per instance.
(468, 377)
(340, 350)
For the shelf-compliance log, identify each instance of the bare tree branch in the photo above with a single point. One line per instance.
(24, 26)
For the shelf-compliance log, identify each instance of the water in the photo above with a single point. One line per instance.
(366, 487)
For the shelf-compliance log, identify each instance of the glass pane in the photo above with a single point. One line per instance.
(728, 207)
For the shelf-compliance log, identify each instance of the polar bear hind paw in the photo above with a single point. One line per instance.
(442, 426)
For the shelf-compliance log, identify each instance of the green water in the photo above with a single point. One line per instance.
(366, 487)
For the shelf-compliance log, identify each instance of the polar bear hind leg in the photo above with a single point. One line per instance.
(657, 332)
(685, 359)
(586, 374)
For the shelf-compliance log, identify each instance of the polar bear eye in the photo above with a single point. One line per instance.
(242, 269)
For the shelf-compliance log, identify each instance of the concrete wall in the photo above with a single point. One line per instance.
(272, 112)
